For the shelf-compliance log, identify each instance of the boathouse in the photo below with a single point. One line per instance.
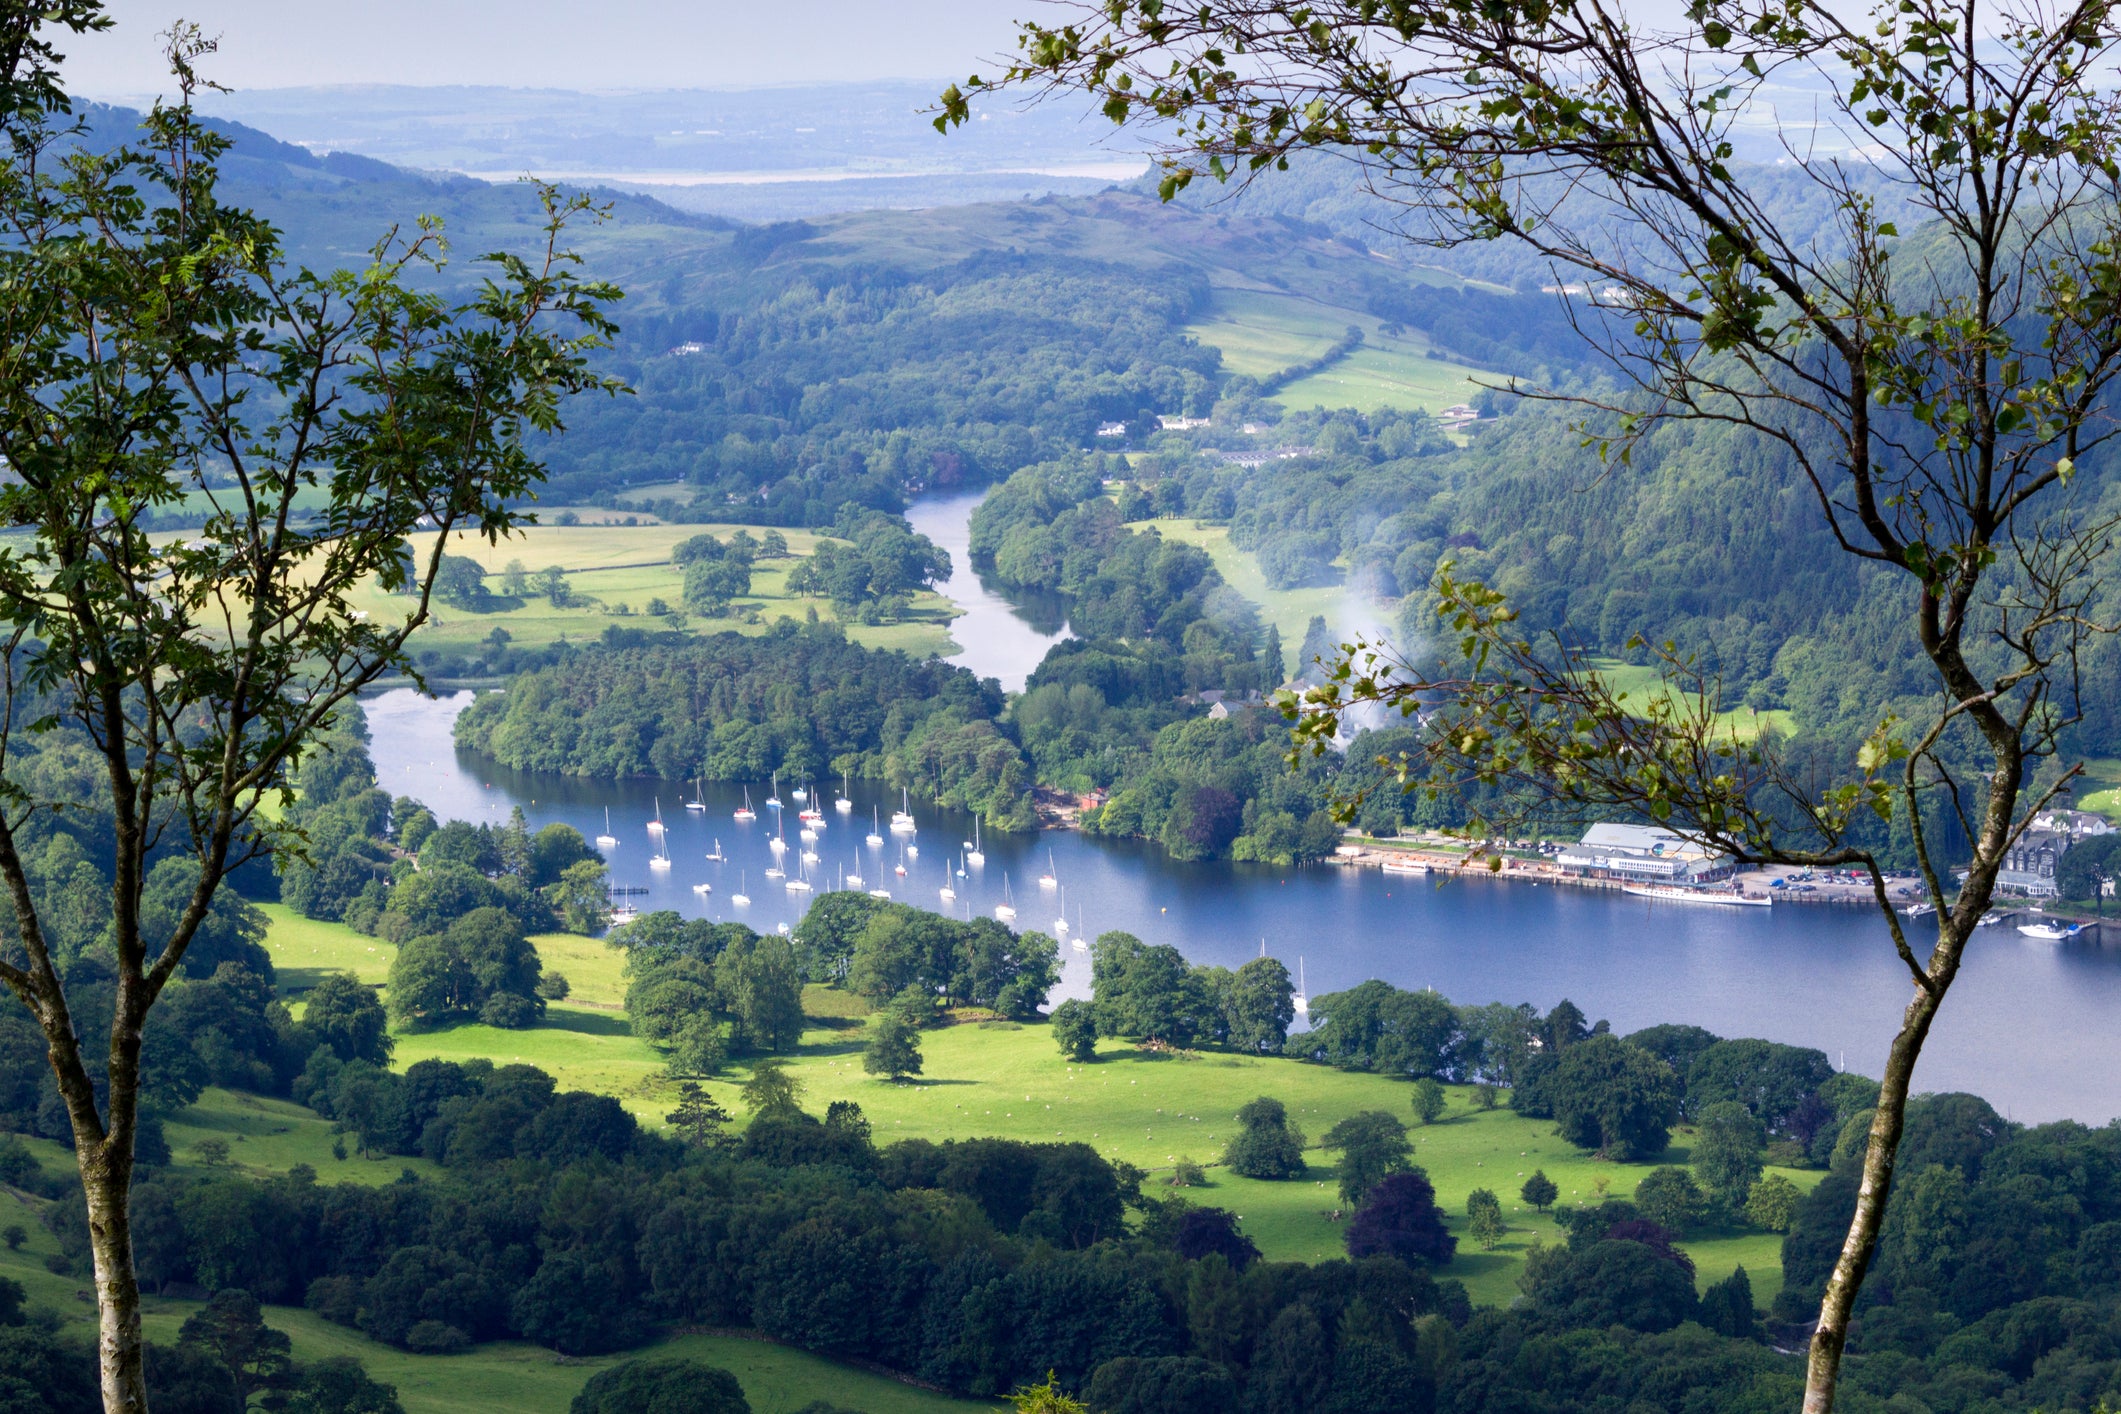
(1642, 854)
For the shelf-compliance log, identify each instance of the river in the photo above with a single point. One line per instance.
(2027, 1025)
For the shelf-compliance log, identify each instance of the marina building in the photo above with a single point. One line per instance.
(1642, 854)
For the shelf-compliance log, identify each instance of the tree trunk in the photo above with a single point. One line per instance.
(1830, 1338)
(106, 1182)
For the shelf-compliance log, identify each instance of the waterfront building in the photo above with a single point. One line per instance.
(1642, 854)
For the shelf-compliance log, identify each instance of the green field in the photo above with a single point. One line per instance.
(1289, 610)
(609, 566)
(1643, 681)
(1009, 1081)
(1262, 332)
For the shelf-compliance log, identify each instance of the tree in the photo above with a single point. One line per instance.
(1539, 1191)
(1487, 1227)
(1669, 1197)
(1373, 1146)
(1075, 1029)
(894, 1049)
(711, 584)
(675, 1384)
(338, 1385)
(1046, 1398)
(1727, 1307)
(460, 581)
(1259, 1006)
(582, 897)
(1266, 1144)
(703, 1122)
(1430, 1101)
(347, 1015)
(231, 1327)
(771, 1090)
(1399, 1218)
(217, 370)
(1773, 1203)
(1727, 1145)
(1613, 1097)
(1936, 419)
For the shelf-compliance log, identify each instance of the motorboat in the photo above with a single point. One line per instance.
(1679, 893)
(2050, 932)
(703, 888)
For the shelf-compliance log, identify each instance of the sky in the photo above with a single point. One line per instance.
(605, 44)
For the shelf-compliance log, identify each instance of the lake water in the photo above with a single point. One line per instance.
(1001, 639)
(2028, 1025)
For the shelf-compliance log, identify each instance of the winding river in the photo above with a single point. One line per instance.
(2029, 1025)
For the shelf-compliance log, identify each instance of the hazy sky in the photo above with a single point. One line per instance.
(551, 43)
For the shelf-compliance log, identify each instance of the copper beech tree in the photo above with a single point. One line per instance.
(157, 349)
(1935, 387)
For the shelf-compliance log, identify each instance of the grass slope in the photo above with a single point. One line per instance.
(612, 565)
(1261, 332)
(1289, 610)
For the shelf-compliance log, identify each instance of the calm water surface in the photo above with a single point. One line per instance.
(2028, 1025)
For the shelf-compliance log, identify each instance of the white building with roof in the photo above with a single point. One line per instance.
(1642, 854)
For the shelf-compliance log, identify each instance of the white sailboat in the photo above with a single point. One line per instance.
(875, 838)
(1081, 941)
(900, 867)
(660, 862)
(946, 893)
(715, 855)
(880, 893)
(1050, 879)
(1060, 924)
(773, 802)
(810, 856)
(902, 818)
(779, 843)
(607, 840)
(655, 826)
(801, 794)
(775, 871)
(744, 812)
(800, 884)
(699, 797)
(913, 851)
(974, 856)
(854, 880)
(1301, 1002)
(1006, 909)
(807, 835)
(843, 804)
(740, 898)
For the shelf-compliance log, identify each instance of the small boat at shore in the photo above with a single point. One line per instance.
(1405, 866)
(2050, 932)
(1679, 893)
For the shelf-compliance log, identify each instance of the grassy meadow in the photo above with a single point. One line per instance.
(612, 565)
(1289, 610)
(1007, 1080)
(1261, 332)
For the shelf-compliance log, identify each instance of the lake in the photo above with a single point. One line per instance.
(2027, 1025)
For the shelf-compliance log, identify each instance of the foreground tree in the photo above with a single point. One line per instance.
(1936, 392)
(159, 349)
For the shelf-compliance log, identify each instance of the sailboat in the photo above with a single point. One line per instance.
(801, 794)
(659, 861)
(715, 855)
(880, 893)
(913, 851)
(779, 843)
(1301, 1002)
(946, 893)
(655, 826)
(973, 856)
(854, 881)
(607, 840)
(1060, 924)
(740, 898)
(1049, 879)
(800, 884)
(699, 797)
(900, 867)
(875, 838)
(810, 856)
(1082, 941)
(744, 812)
(773, 802)
(807, 835)
(1006, 909)
(902, 818)
(843, 804)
